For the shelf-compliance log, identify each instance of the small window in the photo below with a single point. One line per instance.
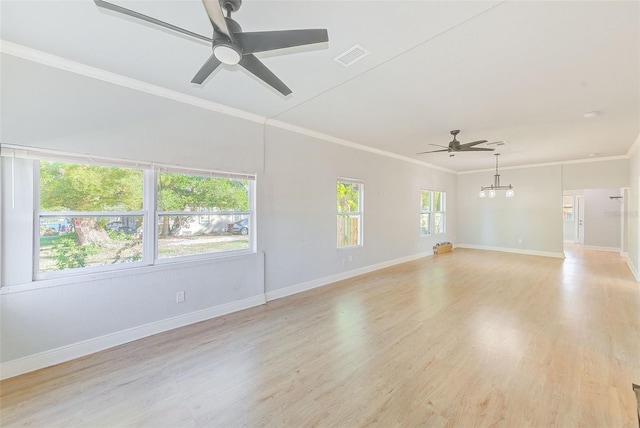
(567, 208)
(89, 216)
(439, 212)
(201, 214)
(349, 207)
(425, 212)
(432, 212)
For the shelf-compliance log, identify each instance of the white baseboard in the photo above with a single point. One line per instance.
(67, 353)
(309, 285)
(596, 248)
(633, 270)
(513, 250)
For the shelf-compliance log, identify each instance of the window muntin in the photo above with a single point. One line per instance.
(185, 200)
(97, 217)
(349, 211)
(432, 212)
(89, 216)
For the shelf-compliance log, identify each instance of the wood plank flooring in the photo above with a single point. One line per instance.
(461, 339)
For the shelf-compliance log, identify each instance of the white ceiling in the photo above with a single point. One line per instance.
(520, 72)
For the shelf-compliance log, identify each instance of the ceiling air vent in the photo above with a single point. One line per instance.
(352, 55)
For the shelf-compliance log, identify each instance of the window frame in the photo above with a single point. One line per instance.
(359, 213)
(149, 214)
(432, 211)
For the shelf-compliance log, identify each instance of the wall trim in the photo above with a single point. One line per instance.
(309, 285)
(597, 248)
(513, 250)
(331, 139)
(60, 63)
(80, 349)
(538, 165)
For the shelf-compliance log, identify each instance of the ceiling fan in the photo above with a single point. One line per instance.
(233, 46)
(455, 146)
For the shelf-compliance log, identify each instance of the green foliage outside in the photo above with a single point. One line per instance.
(68, 254)
(179, 192)
(425, 200)
(78, 187)
(348, 197)
(90, 188)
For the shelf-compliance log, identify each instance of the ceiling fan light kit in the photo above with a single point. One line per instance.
(232, 46)
(496, 185)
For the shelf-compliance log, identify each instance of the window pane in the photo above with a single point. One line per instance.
(438, 223)
(182, 192)
(69, 243)
(348, 230)
(425, 222)
(425, 200)
(438, 201)
(348, 197)
(77, 187)
(186, 235)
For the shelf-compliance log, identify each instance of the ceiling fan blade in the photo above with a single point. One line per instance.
(262, 41)
(475, 143)
(206, 69)
(433, 151)
(439, 145)
(252, 64)
(129, 12)
(475, 149)
(216, 16)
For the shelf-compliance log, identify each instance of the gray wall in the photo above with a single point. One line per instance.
(529, 222)
(296, 218)
(602, 218)
(298, 210)
(595, 174)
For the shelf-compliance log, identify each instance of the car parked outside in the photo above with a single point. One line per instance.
(238, 228)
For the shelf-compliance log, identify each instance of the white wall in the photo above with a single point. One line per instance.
(530, 222)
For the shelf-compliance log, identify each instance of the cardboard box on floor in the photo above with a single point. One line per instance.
(442, 248)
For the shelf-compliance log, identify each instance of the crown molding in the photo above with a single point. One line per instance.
(538, 165)
(330, 138)
(54, 61)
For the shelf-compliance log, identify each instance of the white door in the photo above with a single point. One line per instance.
(580, 231)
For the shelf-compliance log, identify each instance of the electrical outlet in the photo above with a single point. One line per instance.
(180, 297)
(350, 258)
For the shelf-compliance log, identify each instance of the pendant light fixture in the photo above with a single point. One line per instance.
(496, 185)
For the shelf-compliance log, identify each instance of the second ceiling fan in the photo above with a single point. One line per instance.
(231, 45)
(455, 146)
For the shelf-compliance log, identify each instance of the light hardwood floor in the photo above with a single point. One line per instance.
(468, 338)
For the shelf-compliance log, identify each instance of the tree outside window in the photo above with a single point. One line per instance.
(349, 208)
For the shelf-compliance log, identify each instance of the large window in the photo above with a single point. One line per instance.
(349, 206)
(98, 217)
(432, 212)
(89, 216)
(199, 214)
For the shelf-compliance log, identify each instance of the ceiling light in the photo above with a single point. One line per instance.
(227, 54)
(496, 185)
(591, 114)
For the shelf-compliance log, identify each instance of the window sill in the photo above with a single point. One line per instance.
(161, 265)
